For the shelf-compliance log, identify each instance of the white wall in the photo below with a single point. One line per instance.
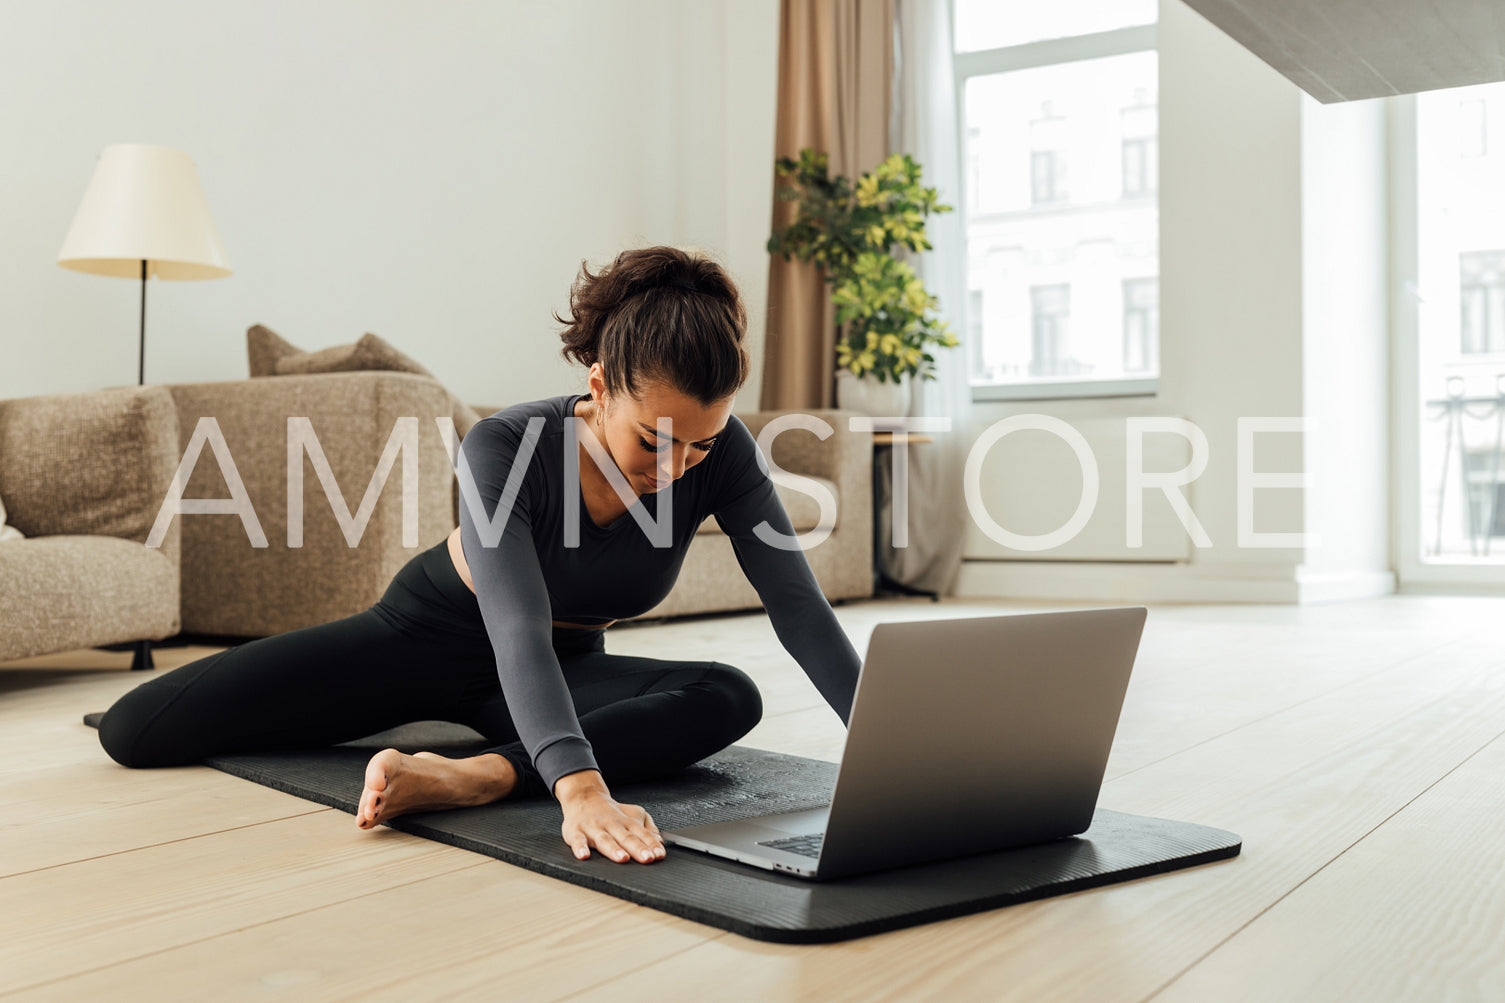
(434, 173)
(1230, 266)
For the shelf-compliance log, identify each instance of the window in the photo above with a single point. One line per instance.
(974, 330)
(1481, 313)
(1140, 127)
(973, 194)
(1141, 325)
(1455, 518)
(1047, 176)
(1058, 104)
(1050, 308)
(1047, 159)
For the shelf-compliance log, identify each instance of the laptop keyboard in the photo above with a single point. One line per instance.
(806, 846)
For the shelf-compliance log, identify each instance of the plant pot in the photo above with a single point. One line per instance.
(869, 396)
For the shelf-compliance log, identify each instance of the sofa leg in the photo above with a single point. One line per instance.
(143, 656)
(882, 583)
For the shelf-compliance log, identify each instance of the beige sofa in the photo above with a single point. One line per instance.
(231, 587)
(239, 586)
(82, 478)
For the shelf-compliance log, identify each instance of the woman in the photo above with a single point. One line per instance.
(575, 512)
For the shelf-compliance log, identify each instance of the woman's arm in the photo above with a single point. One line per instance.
(514, 602)
(513, 597)
(801, 615)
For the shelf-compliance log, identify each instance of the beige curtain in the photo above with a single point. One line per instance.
(925, 127)
(835, 75)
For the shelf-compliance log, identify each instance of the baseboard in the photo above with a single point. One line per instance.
(1342, 586)
(1097, 581)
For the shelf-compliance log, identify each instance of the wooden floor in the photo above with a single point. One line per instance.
(1355, 747)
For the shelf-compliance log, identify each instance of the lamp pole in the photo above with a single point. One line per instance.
(141, 366)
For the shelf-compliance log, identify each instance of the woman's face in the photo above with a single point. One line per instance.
(650, 461)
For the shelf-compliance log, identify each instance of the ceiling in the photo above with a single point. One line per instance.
(1345, 50)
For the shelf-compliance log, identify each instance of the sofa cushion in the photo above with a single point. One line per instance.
(803, 509)
(77, 591)
(272, 355)
(93, 463)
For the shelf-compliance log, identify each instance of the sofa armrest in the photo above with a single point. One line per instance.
(92, 464)
(844, 456)
(233, 587)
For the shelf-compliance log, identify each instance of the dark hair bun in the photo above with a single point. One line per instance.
(659, 315)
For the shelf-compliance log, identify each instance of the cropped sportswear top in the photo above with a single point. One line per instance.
(530, 571)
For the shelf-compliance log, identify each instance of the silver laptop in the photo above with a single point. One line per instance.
(965, 736)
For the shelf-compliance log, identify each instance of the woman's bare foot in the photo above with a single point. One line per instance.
(397, 783)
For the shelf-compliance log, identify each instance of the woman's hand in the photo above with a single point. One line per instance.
(592, 817)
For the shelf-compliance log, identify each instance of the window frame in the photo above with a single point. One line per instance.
(1046, 52)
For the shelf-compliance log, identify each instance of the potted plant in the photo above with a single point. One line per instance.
(885, 318)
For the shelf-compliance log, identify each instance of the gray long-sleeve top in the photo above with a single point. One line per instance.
(526, 575)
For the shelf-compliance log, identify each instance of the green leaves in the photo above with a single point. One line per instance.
(850, 231)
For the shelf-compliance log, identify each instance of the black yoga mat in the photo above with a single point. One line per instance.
(741, 782)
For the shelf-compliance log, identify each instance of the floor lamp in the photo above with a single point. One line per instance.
(144, 214)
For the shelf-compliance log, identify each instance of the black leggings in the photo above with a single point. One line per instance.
(421, 653)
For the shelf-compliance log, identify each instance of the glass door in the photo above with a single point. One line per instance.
(1448, 151)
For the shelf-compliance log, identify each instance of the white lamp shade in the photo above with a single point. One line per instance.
(144, 203)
